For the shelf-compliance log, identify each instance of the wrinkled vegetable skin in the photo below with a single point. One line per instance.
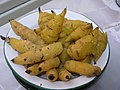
(101, 43)
(21, 46)
(52, 50)
(82, 68)
(51, 32)
(26, 33)
(33, 70)
(37, 55)
(64, 75)
(82, 47)
(29, 57)
(49, 64)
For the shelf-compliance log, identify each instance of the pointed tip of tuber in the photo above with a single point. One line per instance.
(39, 9)
(10, 20)
(65, 8)
(2, 37)
(63, 12)
(94, 62)
(12, 60)
(6, 39)
(28, 71)
(52, 11)
(34, 30)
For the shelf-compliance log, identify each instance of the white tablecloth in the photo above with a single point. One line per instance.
(105, 17)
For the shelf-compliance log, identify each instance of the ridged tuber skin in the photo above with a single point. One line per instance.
(26, 33)
(37, 55)
(21, 46)
(52, 75)
(82, 68)
(33, 70)
(51, 32)
(44, 18)
(79, 29)
(29, 57)
(101, 43)
(80, 32)
(64, 56)
(52, 50)
(64, 75)
(38, 31)
(82, 47)
(69, 26)
(49, 64)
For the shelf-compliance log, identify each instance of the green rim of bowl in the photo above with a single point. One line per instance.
(25, 85)
(39, 87)
(28, 87)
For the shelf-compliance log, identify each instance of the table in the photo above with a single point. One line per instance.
(106, 18)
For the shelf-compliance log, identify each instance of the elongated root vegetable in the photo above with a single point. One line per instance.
(82, 47)
(82, 68)
(33, 70)
(26, 33)
(37, 55)
(44, 18)
(64, 75)
(29, 57)
(49, 64)
(52, 75)
(21, 46)
(80, 32)
(69, 26)
(52, 50)
(53, 28)
(64, 56)
(101, 43)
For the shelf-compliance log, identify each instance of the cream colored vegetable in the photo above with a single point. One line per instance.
(52, 50)
(29, 57)
(69, 26)
(49, 64)
(44, 18)
(101, 43)
(33, 70)
(82, 47)
(64, 75)
(21, 46)
(37, 55)
(80, 32)
(26, 33)
(82, 68)
(51, 32)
